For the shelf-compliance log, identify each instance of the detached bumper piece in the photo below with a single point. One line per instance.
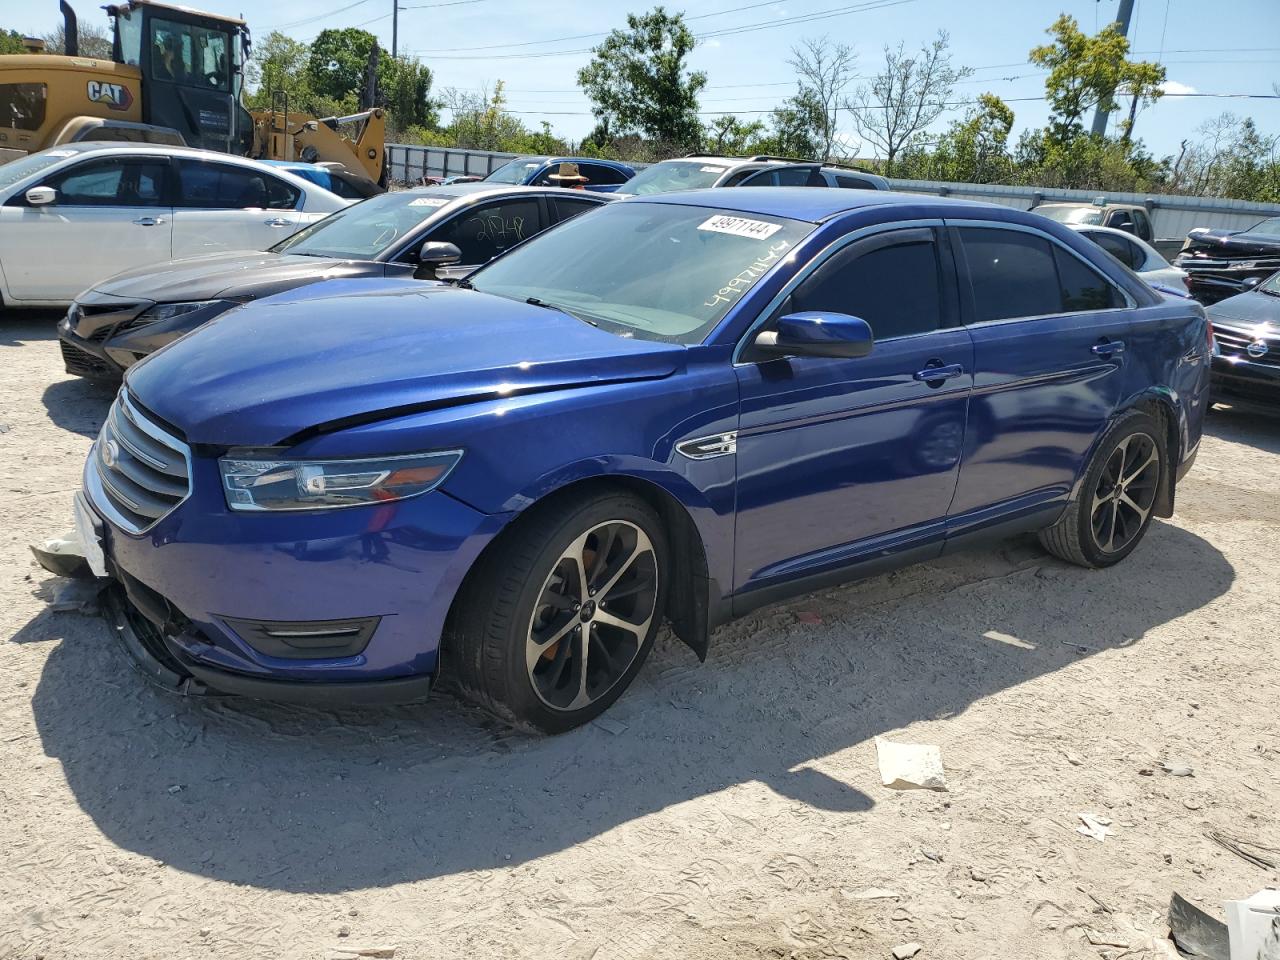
(146, 621)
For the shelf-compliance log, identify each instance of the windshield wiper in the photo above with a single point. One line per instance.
(462, 283)
(1269, 293)
(551, 306)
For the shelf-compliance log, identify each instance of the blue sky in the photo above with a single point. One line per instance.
(1231, 48)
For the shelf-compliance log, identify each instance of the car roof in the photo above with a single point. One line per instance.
(813, 204)
(484, 188)
(1099, 228)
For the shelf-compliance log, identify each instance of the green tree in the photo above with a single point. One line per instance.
(338, 63)
(637, 80)
(11, 42)
(796, 127)
(279, 66)
(733, 137)
(93, 41)
(975, 148)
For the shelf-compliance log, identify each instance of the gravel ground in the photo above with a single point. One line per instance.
(725, 810)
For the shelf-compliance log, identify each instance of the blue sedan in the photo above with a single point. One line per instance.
(602, 176)
(672, 409)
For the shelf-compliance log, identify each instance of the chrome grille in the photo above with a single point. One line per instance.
(145, 472)
(1233, 343)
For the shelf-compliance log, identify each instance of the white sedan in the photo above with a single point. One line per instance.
(76, 214)
(1138, 255)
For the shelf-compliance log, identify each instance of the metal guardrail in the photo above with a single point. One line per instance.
(1172, 215)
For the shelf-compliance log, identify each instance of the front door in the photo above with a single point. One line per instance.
(486, 230)
(223, 206)
(110, 215)
(1049, 354)
(838, 459)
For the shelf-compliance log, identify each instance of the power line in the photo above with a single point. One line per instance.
(315, 17)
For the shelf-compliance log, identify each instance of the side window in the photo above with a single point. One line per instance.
(112, 182)
(738, 176)
(854, 183)
(220, 186)
(1142, 225)
(491, 229)
(1118, 247)
(566, 208)
(1120, 220)
(800, 177)
(1083, 288)
(1012, 274)
(761, 178)
(894, 286)
(598, 173)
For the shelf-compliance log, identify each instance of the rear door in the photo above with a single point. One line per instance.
(1049, 336)
(566, 208)
(111, 214)
(841, 459)
(223, 206)
(489, 229)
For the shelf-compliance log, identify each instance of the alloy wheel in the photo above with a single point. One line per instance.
(1125, 493)
(593, 615)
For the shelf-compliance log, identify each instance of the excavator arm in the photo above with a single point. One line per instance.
(356, 141)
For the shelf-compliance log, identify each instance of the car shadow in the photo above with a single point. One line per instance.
(77, 405)
(314, 801)
(1241, 425)
(22, 325)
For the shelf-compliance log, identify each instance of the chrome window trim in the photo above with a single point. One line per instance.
(92, 471)
(1130, 303)
(817, 260)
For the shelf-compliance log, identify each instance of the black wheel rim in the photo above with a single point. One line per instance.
(592, 616)
(1125, 493)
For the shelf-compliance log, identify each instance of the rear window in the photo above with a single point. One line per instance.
(220, 186)
(1084, 215)
(22, 105)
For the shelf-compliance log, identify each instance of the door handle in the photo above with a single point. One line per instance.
(149, 221)
(1108, 348)
(276, 222)
(935, 375)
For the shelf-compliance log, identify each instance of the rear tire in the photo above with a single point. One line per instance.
(555, 620)
(1110, 516)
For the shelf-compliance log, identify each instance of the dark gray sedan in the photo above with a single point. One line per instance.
(430, 233)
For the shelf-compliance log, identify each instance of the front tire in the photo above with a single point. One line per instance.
(556, 619)
(1113, 510)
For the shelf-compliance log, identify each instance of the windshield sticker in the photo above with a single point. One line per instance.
(428, 201)
(741, 227)
(61, 153)
(735, 288)
(711, 170)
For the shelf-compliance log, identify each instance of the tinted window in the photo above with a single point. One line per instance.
(483, 233)
(800, 177)
(736, 178)
(854, 183)
(1118, 247)
(1142, 224)
(1012, 273)
(22, 105)
(762, 178)
(598, 173)
(568, 207)
(1120, 220)
(1083, 288)
(113, 182)
(894, 288)
(220, 186)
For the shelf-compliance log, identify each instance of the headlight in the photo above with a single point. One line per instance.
(255, 480)
(167, 311)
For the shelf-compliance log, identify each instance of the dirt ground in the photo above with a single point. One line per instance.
(725, 810)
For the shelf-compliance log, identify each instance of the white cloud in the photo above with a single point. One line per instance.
(713, 43)
(1173, 86)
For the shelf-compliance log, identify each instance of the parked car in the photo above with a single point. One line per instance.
(1223, 262)
(700, 172)
(677, 408)
(80, 212)
(122, 319)
(1129, 217)
(1138, 255)
(333, 177)
(1246, 347)
(603, 176)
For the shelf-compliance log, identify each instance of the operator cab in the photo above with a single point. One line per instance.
(193, 71)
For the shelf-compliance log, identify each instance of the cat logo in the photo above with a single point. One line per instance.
(115, 95)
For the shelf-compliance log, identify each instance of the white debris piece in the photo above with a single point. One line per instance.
(906, 951)
(1253, 926)
(1094, 826)
(910, 766)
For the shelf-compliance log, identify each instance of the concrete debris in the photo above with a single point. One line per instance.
(906, 951)
(910, 766)
(1177, 769)
(1094, 826)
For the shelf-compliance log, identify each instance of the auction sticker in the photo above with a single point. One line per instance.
(741, 227)
(429, 202)
(711, 169)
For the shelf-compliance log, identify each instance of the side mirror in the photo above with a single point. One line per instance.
(433, 255)
(41, 196)
(1248, 283)
(817, 334)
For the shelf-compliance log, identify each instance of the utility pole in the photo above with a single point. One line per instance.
(395, 26)
(1123, 16)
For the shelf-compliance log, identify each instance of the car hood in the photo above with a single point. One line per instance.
(264, 373)
(1246, 308)
(239, 273)
(1231, 243)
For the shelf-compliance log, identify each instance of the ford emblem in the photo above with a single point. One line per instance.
(1257, 349)
(110, 453)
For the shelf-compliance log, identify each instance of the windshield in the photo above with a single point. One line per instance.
(672, 175)
(1087, 215)
(601, 268)
(515, 172)
(31, 164)
(366, 230)
(1268, 228)
(1271, 284)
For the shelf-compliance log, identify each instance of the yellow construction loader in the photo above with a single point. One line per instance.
(176, 76)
